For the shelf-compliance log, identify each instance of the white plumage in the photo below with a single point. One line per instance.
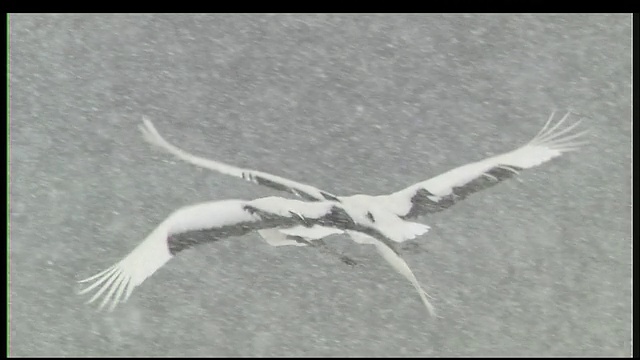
(375, 220)
(155, 250)
(550, 142)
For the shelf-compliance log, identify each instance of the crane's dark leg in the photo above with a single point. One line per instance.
(320, 244)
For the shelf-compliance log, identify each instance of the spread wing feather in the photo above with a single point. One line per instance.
(301, 190)
(443, 191)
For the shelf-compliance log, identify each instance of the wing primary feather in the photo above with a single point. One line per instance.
(209, 221)
(131, 271)
(554, 127)
(103, 277)
(562, 148)
(546, 125)
(118, 296)
(554, 135)
(130, 288)
(554, 139)
(98, 274)
(567, 139)
(106, 286)
(112, 289)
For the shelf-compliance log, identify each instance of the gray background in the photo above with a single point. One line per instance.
(351, 104)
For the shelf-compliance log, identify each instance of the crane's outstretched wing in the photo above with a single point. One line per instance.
(201, 223)
(442, 191)
(304, 191)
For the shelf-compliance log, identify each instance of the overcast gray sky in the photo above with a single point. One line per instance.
(351, 104)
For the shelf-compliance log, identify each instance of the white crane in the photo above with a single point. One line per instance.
(381, 220)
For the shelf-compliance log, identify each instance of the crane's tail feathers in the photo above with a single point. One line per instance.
(116, 283)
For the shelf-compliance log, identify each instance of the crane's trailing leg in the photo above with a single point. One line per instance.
(323, 246)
